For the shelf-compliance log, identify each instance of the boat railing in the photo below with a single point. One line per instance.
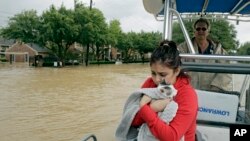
(90, 136)
(216, 57)
(232, 68)
(213, 16)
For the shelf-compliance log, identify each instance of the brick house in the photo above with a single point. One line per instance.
(21, 52)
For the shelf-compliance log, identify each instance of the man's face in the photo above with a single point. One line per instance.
(201, 30)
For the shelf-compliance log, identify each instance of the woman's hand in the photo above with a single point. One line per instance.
(159, 105)
(145, 100)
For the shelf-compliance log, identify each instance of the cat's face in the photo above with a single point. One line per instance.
(167, 90)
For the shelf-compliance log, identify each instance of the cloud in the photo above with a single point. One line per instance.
(243, 29)
(138, 24)
(116, 8)
(133, 17)
(130, 13)
(8, 8)
(17, 6)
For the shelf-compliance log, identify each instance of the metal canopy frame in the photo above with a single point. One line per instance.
(237, 10)
(231, 7)
(240, 11)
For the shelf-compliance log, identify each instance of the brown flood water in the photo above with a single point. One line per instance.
(65, 104)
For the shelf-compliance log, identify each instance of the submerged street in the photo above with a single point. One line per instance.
(64, 104)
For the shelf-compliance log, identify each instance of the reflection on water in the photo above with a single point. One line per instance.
(64, 104)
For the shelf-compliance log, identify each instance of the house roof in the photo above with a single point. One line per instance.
(6, 42)
(38, 48)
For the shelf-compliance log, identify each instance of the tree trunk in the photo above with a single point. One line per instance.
(87, 56)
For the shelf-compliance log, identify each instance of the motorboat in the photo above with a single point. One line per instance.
(218, 111)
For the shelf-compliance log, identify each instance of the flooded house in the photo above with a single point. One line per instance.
(22, 52)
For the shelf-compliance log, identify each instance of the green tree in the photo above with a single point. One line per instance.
(100, 31)
(178, 34)
(146, 42)
(126, 45)
(244, 49)
(92, 27)
(82, 18)
(58, 30)
(114, 31)
(23, 26)
(224, 32)
(132, 43)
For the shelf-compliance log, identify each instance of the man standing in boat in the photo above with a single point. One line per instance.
(203, 45)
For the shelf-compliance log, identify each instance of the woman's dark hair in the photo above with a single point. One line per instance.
(167, 54)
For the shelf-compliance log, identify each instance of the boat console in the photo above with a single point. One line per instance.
(217, 107)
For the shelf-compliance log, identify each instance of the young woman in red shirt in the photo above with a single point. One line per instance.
(165, 64)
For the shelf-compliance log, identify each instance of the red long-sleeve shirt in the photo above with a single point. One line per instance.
(183, 124)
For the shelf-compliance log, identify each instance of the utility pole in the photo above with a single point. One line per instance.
(90, 6)
(88, 44)
(74, 4)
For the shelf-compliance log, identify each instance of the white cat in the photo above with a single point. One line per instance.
(167, 89)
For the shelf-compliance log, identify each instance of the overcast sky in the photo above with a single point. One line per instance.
(130, 13)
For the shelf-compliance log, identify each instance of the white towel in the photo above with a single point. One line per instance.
(125, 132)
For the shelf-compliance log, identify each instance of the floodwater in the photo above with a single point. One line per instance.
(65, 104)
